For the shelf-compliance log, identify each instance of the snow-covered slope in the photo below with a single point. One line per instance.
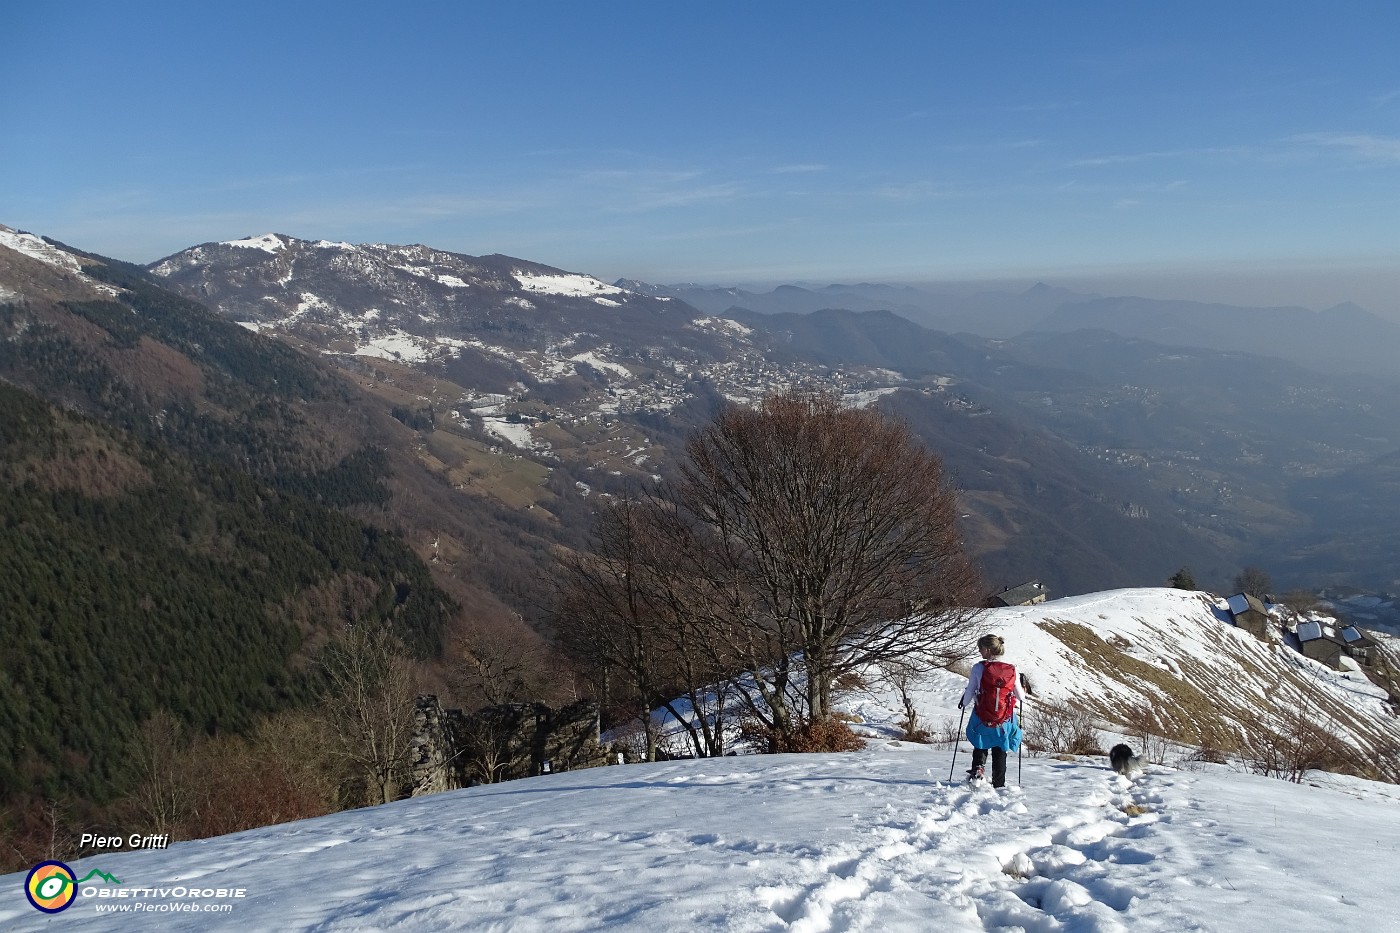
(875, 841)
(34, 247)
(1177, 654)
(1168, 661)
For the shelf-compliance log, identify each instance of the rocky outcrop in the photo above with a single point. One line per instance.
(452, 749)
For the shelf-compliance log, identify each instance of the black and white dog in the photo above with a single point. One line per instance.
(1123, 760)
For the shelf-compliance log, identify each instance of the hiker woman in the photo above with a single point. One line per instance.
(993, 689)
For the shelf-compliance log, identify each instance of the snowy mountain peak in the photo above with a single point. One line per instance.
(56, 257)
(36, 248)
(267, 242)
(577, 286)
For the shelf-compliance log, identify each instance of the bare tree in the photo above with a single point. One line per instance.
(837, 532)
(491, 740)
(903, 675)
(368, 706)
(802, 541)
(608, 615)
(163, 798)
(1304, 743)
(1255, 581)
(503, 662)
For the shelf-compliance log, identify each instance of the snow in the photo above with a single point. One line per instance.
(1180, 631)
(597, 362)
(1238, 603)
(866, 397)
(268, 243)
(35, 248)
(426, 272)
(721, 325)
(517, 435)
(573, 286)
(311, 302)
(877, 840)
(396, 345)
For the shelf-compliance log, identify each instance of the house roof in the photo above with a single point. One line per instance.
(1243, 602)
(1019, 595)
(1357, 638)
(1313, 631)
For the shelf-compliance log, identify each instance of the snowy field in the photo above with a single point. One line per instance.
(879, 840)
(872, 841)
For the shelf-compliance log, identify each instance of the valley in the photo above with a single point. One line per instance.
(602, 382)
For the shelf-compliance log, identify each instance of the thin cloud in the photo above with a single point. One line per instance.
(1157, 155)
(641, 190)
(800, 168)
(912, 192)
(1362, 146)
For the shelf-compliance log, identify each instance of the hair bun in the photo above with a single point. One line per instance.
(992, 643)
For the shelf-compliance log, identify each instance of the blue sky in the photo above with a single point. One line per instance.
(1183, 144)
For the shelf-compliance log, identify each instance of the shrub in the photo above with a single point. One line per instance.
(949, 734)
(1301, 746)
(825, 735)
(1060, 728)
(1147, 733)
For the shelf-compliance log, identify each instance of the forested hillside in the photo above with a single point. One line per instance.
(189, 513)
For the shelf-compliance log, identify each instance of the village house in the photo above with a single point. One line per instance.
(1248, 613)
(1320, 642)
(1359, 644)
(1027, 594)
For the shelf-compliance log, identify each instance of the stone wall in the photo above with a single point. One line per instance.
(452, 749)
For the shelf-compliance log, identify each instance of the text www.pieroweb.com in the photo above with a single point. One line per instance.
(177, 907)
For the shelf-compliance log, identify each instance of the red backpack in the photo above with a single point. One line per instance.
(996, 699)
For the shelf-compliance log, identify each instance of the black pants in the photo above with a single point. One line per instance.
(979, 759)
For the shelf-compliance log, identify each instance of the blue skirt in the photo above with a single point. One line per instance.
(1005, 736)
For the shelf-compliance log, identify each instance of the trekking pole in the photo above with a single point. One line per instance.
(1021, 748)
(956, 738)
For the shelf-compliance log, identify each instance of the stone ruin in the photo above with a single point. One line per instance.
(453, 749)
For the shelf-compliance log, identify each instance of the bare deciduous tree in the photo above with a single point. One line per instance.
(609, 612)
(163, 798)
(837, 531)
(368, 706)
(802, 541)
(1255, 581)
(503, 662)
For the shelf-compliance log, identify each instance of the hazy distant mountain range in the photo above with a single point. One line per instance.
(598, 383)
(1344, 338)
(1160, 433)
(535, 388)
